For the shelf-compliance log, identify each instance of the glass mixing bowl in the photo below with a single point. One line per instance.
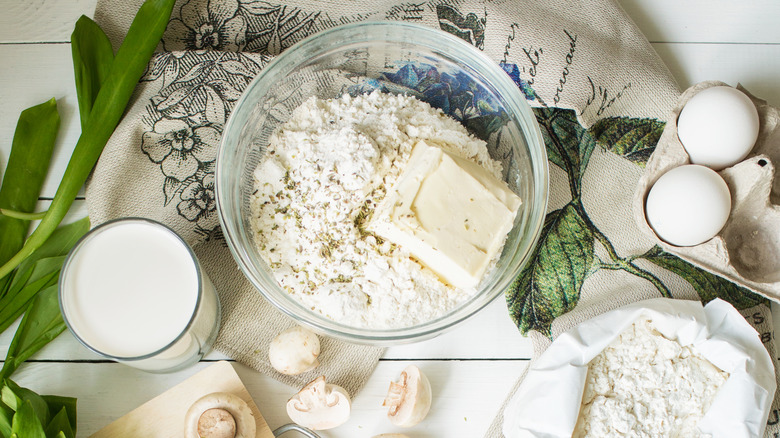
(394, 57)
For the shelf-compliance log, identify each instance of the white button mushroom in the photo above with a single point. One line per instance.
(320, 405)
(410, 399)
(294, 351)
(220, 415)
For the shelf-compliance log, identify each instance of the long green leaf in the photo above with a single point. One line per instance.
(59, 425)
(14, 305)
(26, 424)
(21, 395)
(41, 323)
(57, 403)
(46, 261)
(5, 283)
(59, 243)
(28, 163)
(126, 70)
(92, 59)
(9, 398)
(19, 276)
(38, 270)
(15, 396)
(6, 417)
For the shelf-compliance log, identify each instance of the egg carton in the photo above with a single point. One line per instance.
(747, 249)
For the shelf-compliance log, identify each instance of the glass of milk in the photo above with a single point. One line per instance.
(133, 291)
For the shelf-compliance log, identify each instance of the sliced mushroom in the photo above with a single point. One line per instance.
(320, 405)
(220, 415)
(391, 435)
(294, 351)
(409, 400)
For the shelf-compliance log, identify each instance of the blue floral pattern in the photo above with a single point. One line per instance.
(458, 95)
(514, 72)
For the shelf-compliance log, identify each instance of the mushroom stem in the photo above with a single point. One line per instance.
(320, 405)
(216, 423)
(409, 399)
(220, 415)
(395, 395)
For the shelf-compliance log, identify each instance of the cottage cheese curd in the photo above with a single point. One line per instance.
(327, 169)
(644, 385)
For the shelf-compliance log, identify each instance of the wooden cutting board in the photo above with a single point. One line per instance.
(163, 416)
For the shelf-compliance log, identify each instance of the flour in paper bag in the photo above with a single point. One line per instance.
(646, 385)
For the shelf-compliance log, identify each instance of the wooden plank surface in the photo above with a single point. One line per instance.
(706, 21)
(31, 74)
(755, 66)
(749, 21)
(466, 341)
(41, 20)
(467, 394)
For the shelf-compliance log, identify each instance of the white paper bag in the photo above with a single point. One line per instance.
(547, 404)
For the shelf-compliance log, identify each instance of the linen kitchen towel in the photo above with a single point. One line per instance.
(600, 95)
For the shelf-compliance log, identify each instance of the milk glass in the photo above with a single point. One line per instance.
(132, 290)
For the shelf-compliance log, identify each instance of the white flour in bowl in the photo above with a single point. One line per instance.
(644, 385)
(326, 169)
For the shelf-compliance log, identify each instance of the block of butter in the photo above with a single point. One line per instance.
(447, 212)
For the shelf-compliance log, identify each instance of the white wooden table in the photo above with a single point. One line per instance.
(472, 367)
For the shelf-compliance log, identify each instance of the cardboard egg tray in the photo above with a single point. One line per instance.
(747, 249)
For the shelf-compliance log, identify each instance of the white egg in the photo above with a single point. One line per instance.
(718, 127)
(688, 205)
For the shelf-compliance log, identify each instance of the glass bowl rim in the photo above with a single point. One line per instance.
(438, 41)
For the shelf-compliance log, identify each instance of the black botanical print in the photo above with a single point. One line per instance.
(406, 12)
(468, 27)
(238, 25)
(206, 25)
(180, 149)
(197, 199)
(201, 74)
(184, 124)
(273, 28)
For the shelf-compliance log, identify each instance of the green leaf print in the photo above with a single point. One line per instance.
(569, 145)
(550, 284)
(634, 139)
(708, 286)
